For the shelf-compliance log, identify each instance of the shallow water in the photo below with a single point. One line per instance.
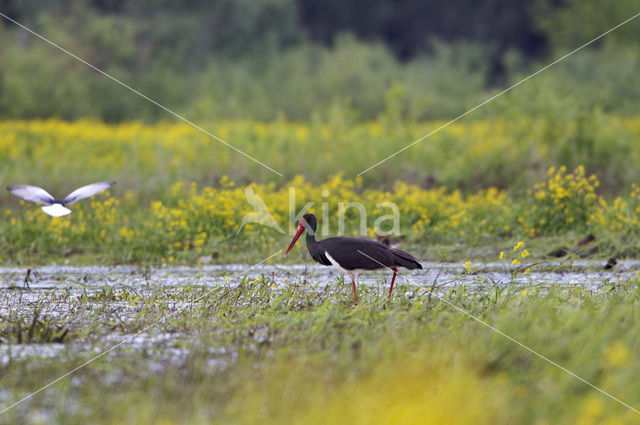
(589, 274)
(51, 288)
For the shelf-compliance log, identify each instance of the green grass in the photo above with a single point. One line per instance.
(268, 351)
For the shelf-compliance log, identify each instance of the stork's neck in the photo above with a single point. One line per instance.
(311, 239)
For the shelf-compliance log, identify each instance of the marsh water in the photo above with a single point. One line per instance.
(590, 274)
(48, 289)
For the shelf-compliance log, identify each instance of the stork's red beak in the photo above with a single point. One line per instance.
(295, 238)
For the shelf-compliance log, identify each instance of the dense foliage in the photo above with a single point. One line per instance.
(285, 58)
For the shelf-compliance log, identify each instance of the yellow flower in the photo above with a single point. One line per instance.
(501, 255)
(525, 253)
(518, 246)
(515, 262)
(126, 233)
(617, 354)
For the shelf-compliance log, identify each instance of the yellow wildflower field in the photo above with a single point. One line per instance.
(188, 221)
(509, 154)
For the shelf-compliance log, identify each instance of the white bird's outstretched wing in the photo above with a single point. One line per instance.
(31, 193)
(86, 192)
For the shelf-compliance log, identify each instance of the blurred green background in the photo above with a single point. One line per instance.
(318, 88)
(291, 59)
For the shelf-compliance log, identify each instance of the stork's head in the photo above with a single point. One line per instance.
(307, 222)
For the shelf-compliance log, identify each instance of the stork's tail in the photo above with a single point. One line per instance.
(404, 259)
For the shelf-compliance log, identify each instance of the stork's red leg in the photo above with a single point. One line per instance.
(355, 292)
(393, 279)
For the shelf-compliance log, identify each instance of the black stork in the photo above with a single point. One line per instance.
(352, 254)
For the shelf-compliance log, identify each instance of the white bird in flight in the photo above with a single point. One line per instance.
(53, 206)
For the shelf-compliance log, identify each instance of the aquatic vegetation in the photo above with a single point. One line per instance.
(262, 349)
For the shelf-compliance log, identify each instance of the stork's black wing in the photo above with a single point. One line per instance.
(357, 253)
